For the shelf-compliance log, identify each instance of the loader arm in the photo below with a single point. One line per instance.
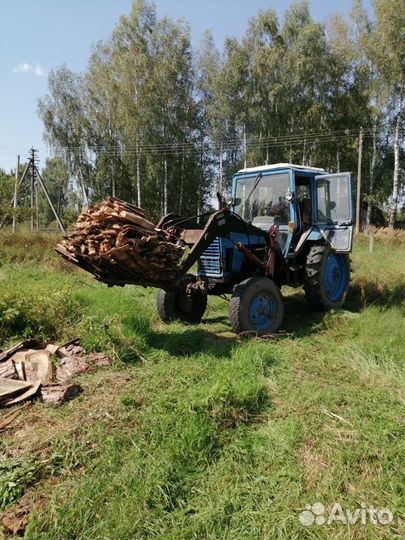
(220, 224)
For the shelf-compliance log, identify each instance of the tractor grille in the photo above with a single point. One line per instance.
(210, 261)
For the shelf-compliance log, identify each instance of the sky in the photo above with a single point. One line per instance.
(39, 35)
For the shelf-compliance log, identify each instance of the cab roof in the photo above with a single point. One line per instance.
(275, 166)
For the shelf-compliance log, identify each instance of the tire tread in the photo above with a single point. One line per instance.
(313, 282)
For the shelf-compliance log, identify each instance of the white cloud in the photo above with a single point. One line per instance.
(22, 68)
(37, 69)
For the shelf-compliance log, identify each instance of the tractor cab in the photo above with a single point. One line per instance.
(305, 203)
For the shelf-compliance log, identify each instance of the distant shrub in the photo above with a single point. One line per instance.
(37, 312)
(25, 247)
(387, 233)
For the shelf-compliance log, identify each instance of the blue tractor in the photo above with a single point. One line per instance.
(285, 225)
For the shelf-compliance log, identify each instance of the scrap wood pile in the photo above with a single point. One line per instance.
(45, 371)
(118, 245)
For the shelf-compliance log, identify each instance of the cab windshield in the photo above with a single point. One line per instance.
(262, 200)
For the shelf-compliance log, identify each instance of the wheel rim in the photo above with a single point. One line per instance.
(336, 276)
(262, 311)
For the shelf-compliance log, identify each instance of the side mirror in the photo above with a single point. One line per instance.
(331, 205)
(237, 201)
(289, 196)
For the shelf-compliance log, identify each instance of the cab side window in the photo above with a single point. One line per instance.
(303, 198)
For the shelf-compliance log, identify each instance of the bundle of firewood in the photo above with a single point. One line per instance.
(118, 245)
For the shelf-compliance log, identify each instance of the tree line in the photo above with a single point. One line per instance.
(156, 122)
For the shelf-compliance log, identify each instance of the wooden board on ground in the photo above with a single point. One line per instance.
(29, 392)
(11, 387)
(21, 345)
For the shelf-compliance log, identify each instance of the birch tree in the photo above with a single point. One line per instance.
(387, 51)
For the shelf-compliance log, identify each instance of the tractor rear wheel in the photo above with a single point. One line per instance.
(256, 306)
(327, 276)
(179, 306)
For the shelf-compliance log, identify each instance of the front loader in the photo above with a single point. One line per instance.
(286, 225)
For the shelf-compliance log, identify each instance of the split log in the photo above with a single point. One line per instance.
(20, 369)
(51, 348)
(38, 366)
(97, 359)
(7, 370)
(74, 349)
(71, 366)
(59, 393)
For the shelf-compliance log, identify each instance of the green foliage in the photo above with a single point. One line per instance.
(40, 312)
(137, 94)
(15, 476)
(6, 194)
(7, 185)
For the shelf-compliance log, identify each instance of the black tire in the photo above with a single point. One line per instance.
(256, 306)
(326, 277)
(179, 306)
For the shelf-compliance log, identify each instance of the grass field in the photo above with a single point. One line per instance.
(195, 434)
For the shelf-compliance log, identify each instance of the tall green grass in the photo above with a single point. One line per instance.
(39, 303)
(27, 247)
(195, 434)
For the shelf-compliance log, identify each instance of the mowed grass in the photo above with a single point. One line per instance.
(195, 434)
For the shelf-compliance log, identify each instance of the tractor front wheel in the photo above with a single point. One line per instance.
(179, 306)
(327, 276)
(256, 306)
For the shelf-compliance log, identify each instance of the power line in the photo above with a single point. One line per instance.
(194, 147)
(177, 146)
(182, 145)
(208, 147)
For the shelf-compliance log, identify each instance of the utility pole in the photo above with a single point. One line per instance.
(55, 213)
(304, 149)
(360, 155)
(221, 171)
(244, 145)
(36, 207)
(33, 177)
(16, 193)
